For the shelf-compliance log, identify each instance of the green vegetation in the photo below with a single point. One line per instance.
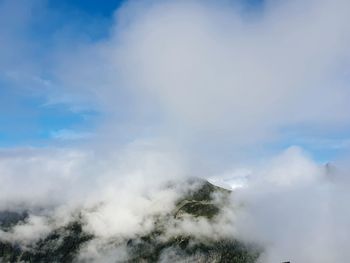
(8, 219)
(197, 203)
(62, 245)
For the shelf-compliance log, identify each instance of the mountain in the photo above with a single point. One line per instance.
(64, 244)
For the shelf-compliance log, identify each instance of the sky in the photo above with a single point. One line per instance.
(26, 119)
(45, 41)
(93, 7)
(102, 103)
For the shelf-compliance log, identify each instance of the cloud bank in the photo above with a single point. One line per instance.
(207, 70)
(184, 86)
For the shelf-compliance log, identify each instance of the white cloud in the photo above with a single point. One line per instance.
(293, 207)
(65, 134)
(194, 71)
(205, 69)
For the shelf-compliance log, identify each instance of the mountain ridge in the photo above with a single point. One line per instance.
(64, 244)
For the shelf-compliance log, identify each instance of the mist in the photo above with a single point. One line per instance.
(183, 89)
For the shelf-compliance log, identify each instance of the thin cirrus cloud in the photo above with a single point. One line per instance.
(67, 135)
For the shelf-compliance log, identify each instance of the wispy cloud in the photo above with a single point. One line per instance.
(67, 135)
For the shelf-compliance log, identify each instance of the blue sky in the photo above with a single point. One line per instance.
(31, 113)
(93, 7)
(107, 7)
(24, 118)
(28, 121)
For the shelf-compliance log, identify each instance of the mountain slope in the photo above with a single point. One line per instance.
(161, 244)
